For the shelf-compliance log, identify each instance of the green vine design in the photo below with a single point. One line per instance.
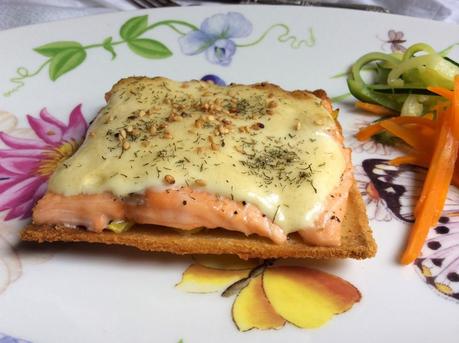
(64, 56)
(285, 37)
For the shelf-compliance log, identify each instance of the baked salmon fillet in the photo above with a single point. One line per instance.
(193, 167)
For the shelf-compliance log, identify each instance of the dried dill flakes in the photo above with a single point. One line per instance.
(242, 106)
(276, 164)
(164, 154)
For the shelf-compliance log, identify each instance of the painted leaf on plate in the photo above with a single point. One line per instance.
(65, 61)
(251, 309)
(149, 48)
(200, 279)
(306, 297)
(134, 27)
(52, 49)
(107, 45)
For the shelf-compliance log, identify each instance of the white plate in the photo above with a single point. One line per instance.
(82, 293)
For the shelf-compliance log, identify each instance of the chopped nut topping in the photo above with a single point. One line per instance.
(135, 132)
(223, 130)
(167, 135)
(298, 125)
(198, 123)
(319, 121)
(126, 145)
(169, 179)
(257, 126)
(244, 129)
(239, 149)
(199, 182)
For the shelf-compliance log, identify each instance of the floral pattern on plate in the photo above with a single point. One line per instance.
(9, 339)
(27, 163)
(391, 192)
(215, 38)
(395, 40)
(267, 295)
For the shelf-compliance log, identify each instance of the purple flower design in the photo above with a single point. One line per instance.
(214, 79)
(8, 339)
(26, 166)
(215, 37)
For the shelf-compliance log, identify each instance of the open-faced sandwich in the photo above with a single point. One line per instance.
(193, 167)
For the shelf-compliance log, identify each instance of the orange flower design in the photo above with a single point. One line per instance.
(268, 295)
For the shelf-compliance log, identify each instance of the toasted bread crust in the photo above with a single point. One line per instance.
(266, 86)
(356, 242)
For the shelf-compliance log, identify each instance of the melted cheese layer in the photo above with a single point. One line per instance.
(260, 145)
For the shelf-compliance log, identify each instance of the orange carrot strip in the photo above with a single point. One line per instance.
(411, 137)
(413, 120)
(446, 93)
(416, 160)
(434, 191)
(369, 131)
(375, 109)
(429, 115)
(455, 107)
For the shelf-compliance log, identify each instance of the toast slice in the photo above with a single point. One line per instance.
(271, 139)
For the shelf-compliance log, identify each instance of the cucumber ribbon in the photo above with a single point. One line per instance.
(399, 81)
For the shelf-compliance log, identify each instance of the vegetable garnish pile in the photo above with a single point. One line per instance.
(417, 96)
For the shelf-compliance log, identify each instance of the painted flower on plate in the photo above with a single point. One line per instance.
(214, 79)
(8, 339)
(269, 296)
(26, 164)
(215, 37)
